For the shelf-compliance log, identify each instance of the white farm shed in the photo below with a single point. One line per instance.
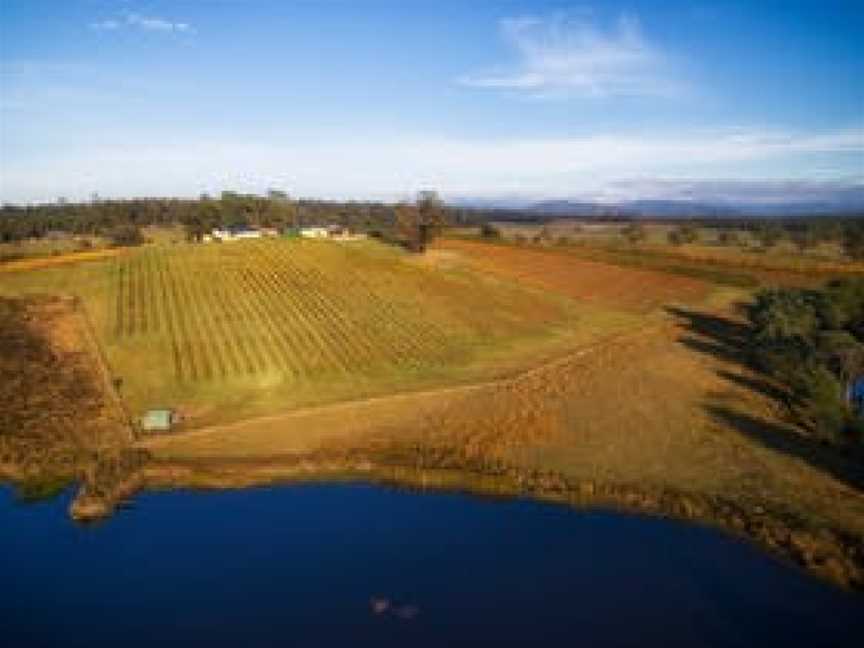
(314, 232)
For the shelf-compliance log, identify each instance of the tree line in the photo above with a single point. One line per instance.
(412, 224)
(805, 233)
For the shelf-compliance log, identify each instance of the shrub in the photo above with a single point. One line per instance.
(804, 239)
(853, 241)
(769, 236)
(489, 231)
(683, 234)
(820, 403)
(729, 237)
(813, 342)
(125, 235)
(779, 315)
(634, 233)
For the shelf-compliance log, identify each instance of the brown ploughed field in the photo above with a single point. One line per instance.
(606, 284)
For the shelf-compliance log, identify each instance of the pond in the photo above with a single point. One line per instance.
(357, 565)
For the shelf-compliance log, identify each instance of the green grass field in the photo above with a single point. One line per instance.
(226, 331)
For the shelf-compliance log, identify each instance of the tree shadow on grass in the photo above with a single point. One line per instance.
(717, 327)
(731, 342)
(715, 335)
(756, 384)
(719, 350)
(845, 468)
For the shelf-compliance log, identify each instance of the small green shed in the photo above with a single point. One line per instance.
(157, 420)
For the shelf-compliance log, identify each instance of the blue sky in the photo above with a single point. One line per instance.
(379, 99)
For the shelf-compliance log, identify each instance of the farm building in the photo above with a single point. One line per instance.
(314, 232)
(158, 420)
(235, 234)
(333, 232)
(338, 233)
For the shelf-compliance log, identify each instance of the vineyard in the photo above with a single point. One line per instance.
(285, 321)
(215, 315)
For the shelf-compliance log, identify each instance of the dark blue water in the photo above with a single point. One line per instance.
(304, 566)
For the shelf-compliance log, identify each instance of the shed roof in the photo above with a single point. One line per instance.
(157, 419)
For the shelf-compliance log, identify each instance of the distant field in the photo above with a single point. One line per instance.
(602, 283)
(227, 331)
(47, 247)
(70, 258)
(746, 254)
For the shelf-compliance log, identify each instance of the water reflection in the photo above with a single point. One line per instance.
(385, 607)
(295, 565)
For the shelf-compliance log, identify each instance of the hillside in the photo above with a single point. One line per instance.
(226, 331)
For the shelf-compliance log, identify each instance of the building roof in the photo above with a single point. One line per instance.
(157, 419)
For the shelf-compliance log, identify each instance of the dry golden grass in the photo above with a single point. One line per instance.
(825, 258)
(23, 265)
(635, 410)
(749, 258)
(57, 407)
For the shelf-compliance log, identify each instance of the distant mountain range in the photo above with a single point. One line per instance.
(656, 208)
(671, 208)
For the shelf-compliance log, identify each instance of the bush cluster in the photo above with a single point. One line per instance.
(813, 342)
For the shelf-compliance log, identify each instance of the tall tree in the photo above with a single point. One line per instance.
(853, 241)
(431, 218)
(408, 225)
(804, 238)
(418, 224)
(634, 233)
(769, 235)
(683, 234)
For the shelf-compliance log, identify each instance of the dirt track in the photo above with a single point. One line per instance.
(305, 429)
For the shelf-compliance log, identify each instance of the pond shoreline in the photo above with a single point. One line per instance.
(829, 554)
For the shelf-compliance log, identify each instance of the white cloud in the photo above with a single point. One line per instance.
(105, 25)
(764, 192)
(376, 165)
(156, 24)
(144, 23)
(562, 56)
